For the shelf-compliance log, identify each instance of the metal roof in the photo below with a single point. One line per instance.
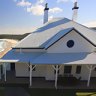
(42, 36)
(20, 57)
(59, 35)
(50, 58)
(66, 58)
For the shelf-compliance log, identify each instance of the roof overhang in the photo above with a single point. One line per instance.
(66, 59)
(23, 57)
(8, 61)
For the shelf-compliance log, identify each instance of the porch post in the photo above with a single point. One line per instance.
(30, 75)
(56, 76)
(90, 70)
(5, 72)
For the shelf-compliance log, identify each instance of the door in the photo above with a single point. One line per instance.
(12, 66)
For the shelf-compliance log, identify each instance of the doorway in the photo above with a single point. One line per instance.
(12, 66)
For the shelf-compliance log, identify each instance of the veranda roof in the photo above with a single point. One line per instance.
(66, 58)
(37, 58)
(23, 57)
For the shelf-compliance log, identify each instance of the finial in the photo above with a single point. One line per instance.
(75, 6)
(46, 6)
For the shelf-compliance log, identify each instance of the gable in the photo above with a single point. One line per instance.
(41, 37)
(80, 44)
(63, 33)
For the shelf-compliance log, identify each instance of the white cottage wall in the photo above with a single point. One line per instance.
(22, 70)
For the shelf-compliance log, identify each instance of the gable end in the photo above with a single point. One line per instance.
(68, 33)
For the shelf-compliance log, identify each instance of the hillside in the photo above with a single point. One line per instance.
(15, 37)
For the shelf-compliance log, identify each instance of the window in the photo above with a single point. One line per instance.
(70, 43)
(55, 70)
(67, 69)
(78, 69)
(32, 67)
(94, 69)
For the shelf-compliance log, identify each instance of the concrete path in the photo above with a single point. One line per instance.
(15, 91)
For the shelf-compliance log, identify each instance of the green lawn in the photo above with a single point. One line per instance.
(2, 89)
(62, 92)
(86, 94)
(54, 92)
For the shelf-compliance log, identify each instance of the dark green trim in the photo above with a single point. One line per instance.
(27, 48)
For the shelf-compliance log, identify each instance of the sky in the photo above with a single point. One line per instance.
(23, 16)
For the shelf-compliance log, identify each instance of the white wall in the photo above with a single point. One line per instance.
(81, 45)
(22, 70)
(51, 76)
(47, 71)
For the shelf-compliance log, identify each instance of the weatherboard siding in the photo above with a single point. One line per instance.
(22, 70)
(81, 44)
(47, 71)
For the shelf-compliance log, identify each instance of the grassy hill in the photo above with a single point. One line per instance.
(15, 37)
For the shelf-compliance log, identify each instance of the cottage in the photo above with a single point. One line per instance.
(60, 47)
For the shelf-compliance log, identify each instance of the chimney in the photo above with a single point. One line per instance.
(75, 11)
(46, 13)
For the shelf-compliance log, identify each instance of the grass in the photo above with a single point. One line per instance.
(86, 94)
(2, 91)
(61, 92)
(54, 92)
(50, 92)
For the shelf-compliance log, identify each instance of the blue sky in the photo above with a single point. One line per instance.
(20, 16)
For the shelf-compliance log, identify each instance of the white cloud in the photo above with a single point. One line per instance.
(36, 9)
(55, 10)
(61, 1)
(24, 3)
(40, 1)
(90, 24)
(50, 18)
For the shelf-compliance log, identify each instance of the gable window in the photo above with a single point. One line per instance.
(78, 69)
(67, 69)
(70, 43)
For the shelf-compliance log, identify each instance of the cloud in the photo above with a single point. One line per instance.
(24, 3)
(90, 24)
(36, 9)
(40, 1)
(55, 10)
(50, 18)
(63, 1)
